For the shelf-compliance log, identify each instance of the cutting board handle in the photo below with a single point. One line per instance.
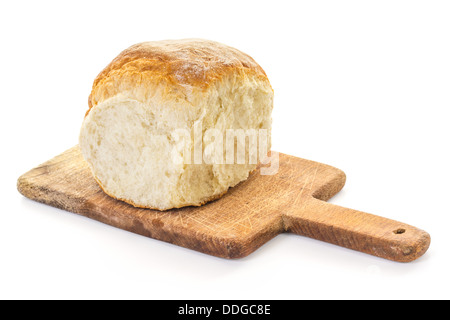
(357, 230)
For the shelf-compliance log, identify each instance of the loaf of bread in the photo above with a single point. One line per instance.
(150, 110)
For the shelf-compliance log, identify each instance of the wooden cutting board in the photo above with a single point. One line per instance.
(250, 214)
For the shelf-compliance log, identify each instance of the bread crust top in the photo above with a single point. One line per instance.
(181, 65)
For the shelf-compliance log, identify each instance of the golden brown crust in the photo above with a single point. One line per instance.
(177, 64)
(179, 72)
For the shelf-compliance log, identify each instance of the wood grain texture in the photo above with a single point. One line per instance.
(250, 214)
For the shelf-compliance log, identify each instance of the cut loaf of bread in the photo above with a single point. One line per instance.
(149, 95)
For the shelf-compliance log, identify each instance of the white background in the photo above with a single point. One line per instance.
(360, 85)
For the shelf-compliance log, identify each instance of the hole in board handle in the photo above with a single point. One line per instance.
(399, 231)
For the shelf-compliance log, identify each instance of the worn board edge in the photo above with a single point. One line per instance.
(224, 247)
